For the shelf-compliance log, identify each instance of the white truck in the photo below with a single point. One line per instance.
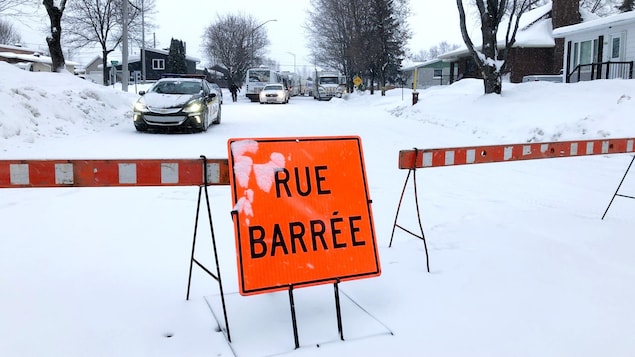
(327, 84)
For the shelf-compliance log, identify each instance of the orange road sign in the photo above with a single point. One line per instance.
(302, 212)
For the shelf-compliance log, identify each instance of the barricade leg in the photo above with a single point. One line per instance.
(412, 171)
(618, 188)
(217, 275)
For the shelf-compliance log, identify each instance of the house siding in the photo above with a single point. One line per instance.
(425, 75)
(601, 33)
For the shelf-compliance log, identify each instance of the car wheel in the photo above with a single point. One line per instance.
(217, 120)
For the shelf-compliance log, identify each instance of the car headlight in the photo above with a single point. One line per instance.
(193, 107)
(280, 94)
(321, 89)
(140, 106)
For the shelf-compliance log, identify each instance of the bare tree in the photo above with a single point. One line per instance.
(54, 39)
(435, 51)
(337, 36)
(6, 5)
(600, 7)
(234, 43)
(8, 34)
(489, 58)
(99, 22)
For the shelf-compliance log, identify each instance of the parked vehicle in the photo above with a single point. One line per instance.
(326, 85)
(257, 78)
(556, 78)
(177, 103)
(274, 93)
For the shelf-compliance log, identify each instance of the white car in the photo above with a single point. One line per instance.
(274, 93)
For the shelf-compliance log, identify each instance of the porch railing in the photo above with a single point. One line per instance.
(601, 70)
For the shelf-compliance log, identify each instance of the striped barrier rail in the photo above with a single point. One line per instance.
(201, 172)
(103, 173)
(414, 159)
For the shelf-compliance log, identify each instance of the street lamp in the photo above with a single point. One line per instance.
(253, 50)
(295, 74)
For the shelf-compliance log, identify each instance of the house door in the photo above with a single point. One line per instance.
(615, 55)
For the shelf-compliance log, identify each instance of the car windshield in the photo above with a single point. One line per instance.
(274, 87)
(177, 87)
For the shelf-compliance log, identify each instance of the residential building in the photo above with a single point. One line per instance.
(535, 50)
(430, 73)
(602, 48)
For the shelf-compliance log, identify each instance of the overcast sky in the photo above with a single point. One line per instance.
(431, 22)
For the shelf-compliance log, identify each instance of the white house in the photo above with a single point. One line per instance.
(599, 49)
(30, 60)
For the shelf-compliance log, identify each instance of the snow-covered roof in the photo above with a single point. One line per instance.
(137, 57)
(166, 52)
(535, 29)
(613, 20)
(412, 65)
(35, 58)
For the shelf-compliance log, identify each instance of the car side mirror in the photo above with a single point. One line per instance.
(212, 95)
(142, 92)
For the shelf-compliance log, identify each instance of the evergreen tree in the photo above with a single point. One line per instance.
(386, 51)
(176, 58)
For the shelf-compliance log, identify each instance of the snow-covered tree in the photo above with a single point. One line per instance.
(490, 60)
(54, 39)
(386, 48)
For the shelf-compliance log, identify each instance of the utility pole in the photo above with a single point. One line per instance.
(295, 74)
(143, 44)
(125, 75)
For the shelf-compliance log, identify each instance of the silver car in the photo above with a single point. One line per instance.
(177, 104)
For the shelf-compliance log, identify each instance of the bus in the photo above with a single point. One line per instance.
(257, 78)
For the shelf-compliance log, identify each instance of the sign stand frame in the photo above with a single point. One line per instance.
(618, 188)
(411, 171)
(216, 276)
(338, 310)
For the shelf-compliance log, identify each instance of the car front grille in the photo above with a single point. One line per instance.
(165, 119)
(165, 110)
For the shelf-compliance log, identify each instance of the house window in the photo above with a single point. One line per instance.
(585, 52)
(158, 63)
(438, 73)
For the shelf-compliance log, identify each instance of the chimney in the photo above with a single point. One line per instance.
(565, 13)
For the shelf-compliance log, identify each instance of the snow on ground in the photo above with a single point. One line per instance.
(521, 263)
